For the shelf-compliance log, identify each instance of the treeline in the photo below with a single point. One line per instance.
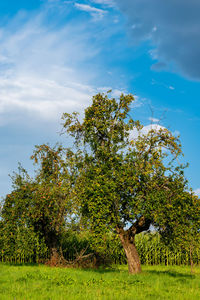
(91, 204)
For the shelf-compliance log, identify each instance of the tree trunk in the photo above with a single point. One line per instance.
(191, 259)
(127, 238)
(56, 258)
(133, 259)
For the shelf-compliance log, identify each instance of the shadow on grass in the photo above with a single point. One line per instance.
(20, 264)
(171, 274)
(112, 269)
(102, 270)
(174, 274)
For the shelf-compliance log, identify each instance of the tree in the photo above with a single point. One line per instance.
(51, 197)
(41, 205)
(125, 184)
(18, 237)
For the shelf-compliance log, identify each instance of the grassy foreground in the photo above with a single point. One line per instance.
(41, 282)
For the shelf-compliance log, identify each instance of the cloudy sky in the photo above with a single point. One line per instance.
(56, 54)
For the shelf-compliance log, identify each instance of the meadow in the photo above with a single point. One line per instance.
(42, 282)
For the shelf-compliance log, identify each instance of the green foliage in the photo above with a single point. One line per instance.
(84, 243)
(21, 244)
(33, 215)
(127, 182)
(151, 248)
(153, 251)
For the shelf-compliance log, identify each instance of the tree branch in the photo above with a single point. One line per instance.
(140, 225)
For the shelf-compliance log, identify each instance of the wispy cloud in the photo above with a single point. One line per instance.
(95, 12)
(41, 98)
(41, 69)
(49, 68)
(110, 3)
(170, 87)
(154, 120)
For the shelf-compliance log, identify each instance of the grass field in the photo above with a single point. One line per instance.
(41, 282)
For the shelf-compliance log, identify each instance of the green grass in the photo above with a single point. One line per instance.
(41, 282)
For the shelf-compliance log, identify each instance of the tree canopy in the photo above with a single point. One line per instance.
(129, 182)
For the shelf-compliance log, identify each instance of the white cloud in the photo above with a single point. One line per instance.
(46, 70)
(176, 133)
(156, 127)
(197, 192)
(116, 93)
(154, 120)
(95, 12)
(110, 3)
(134, 134)
(44, 98)
(42, 71)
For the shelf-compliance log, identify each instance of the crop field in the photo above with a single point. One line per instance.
(42, 282)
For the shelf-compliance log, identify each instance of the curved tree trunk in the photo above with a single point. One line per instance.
(134, 265)
(127, 238)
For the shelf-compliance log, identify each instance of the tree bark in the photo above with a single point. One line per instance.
(191, 260)
(127, 238)
(134, 265)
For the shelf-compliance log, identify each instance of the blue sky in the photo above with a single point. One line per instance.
(54, 55)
